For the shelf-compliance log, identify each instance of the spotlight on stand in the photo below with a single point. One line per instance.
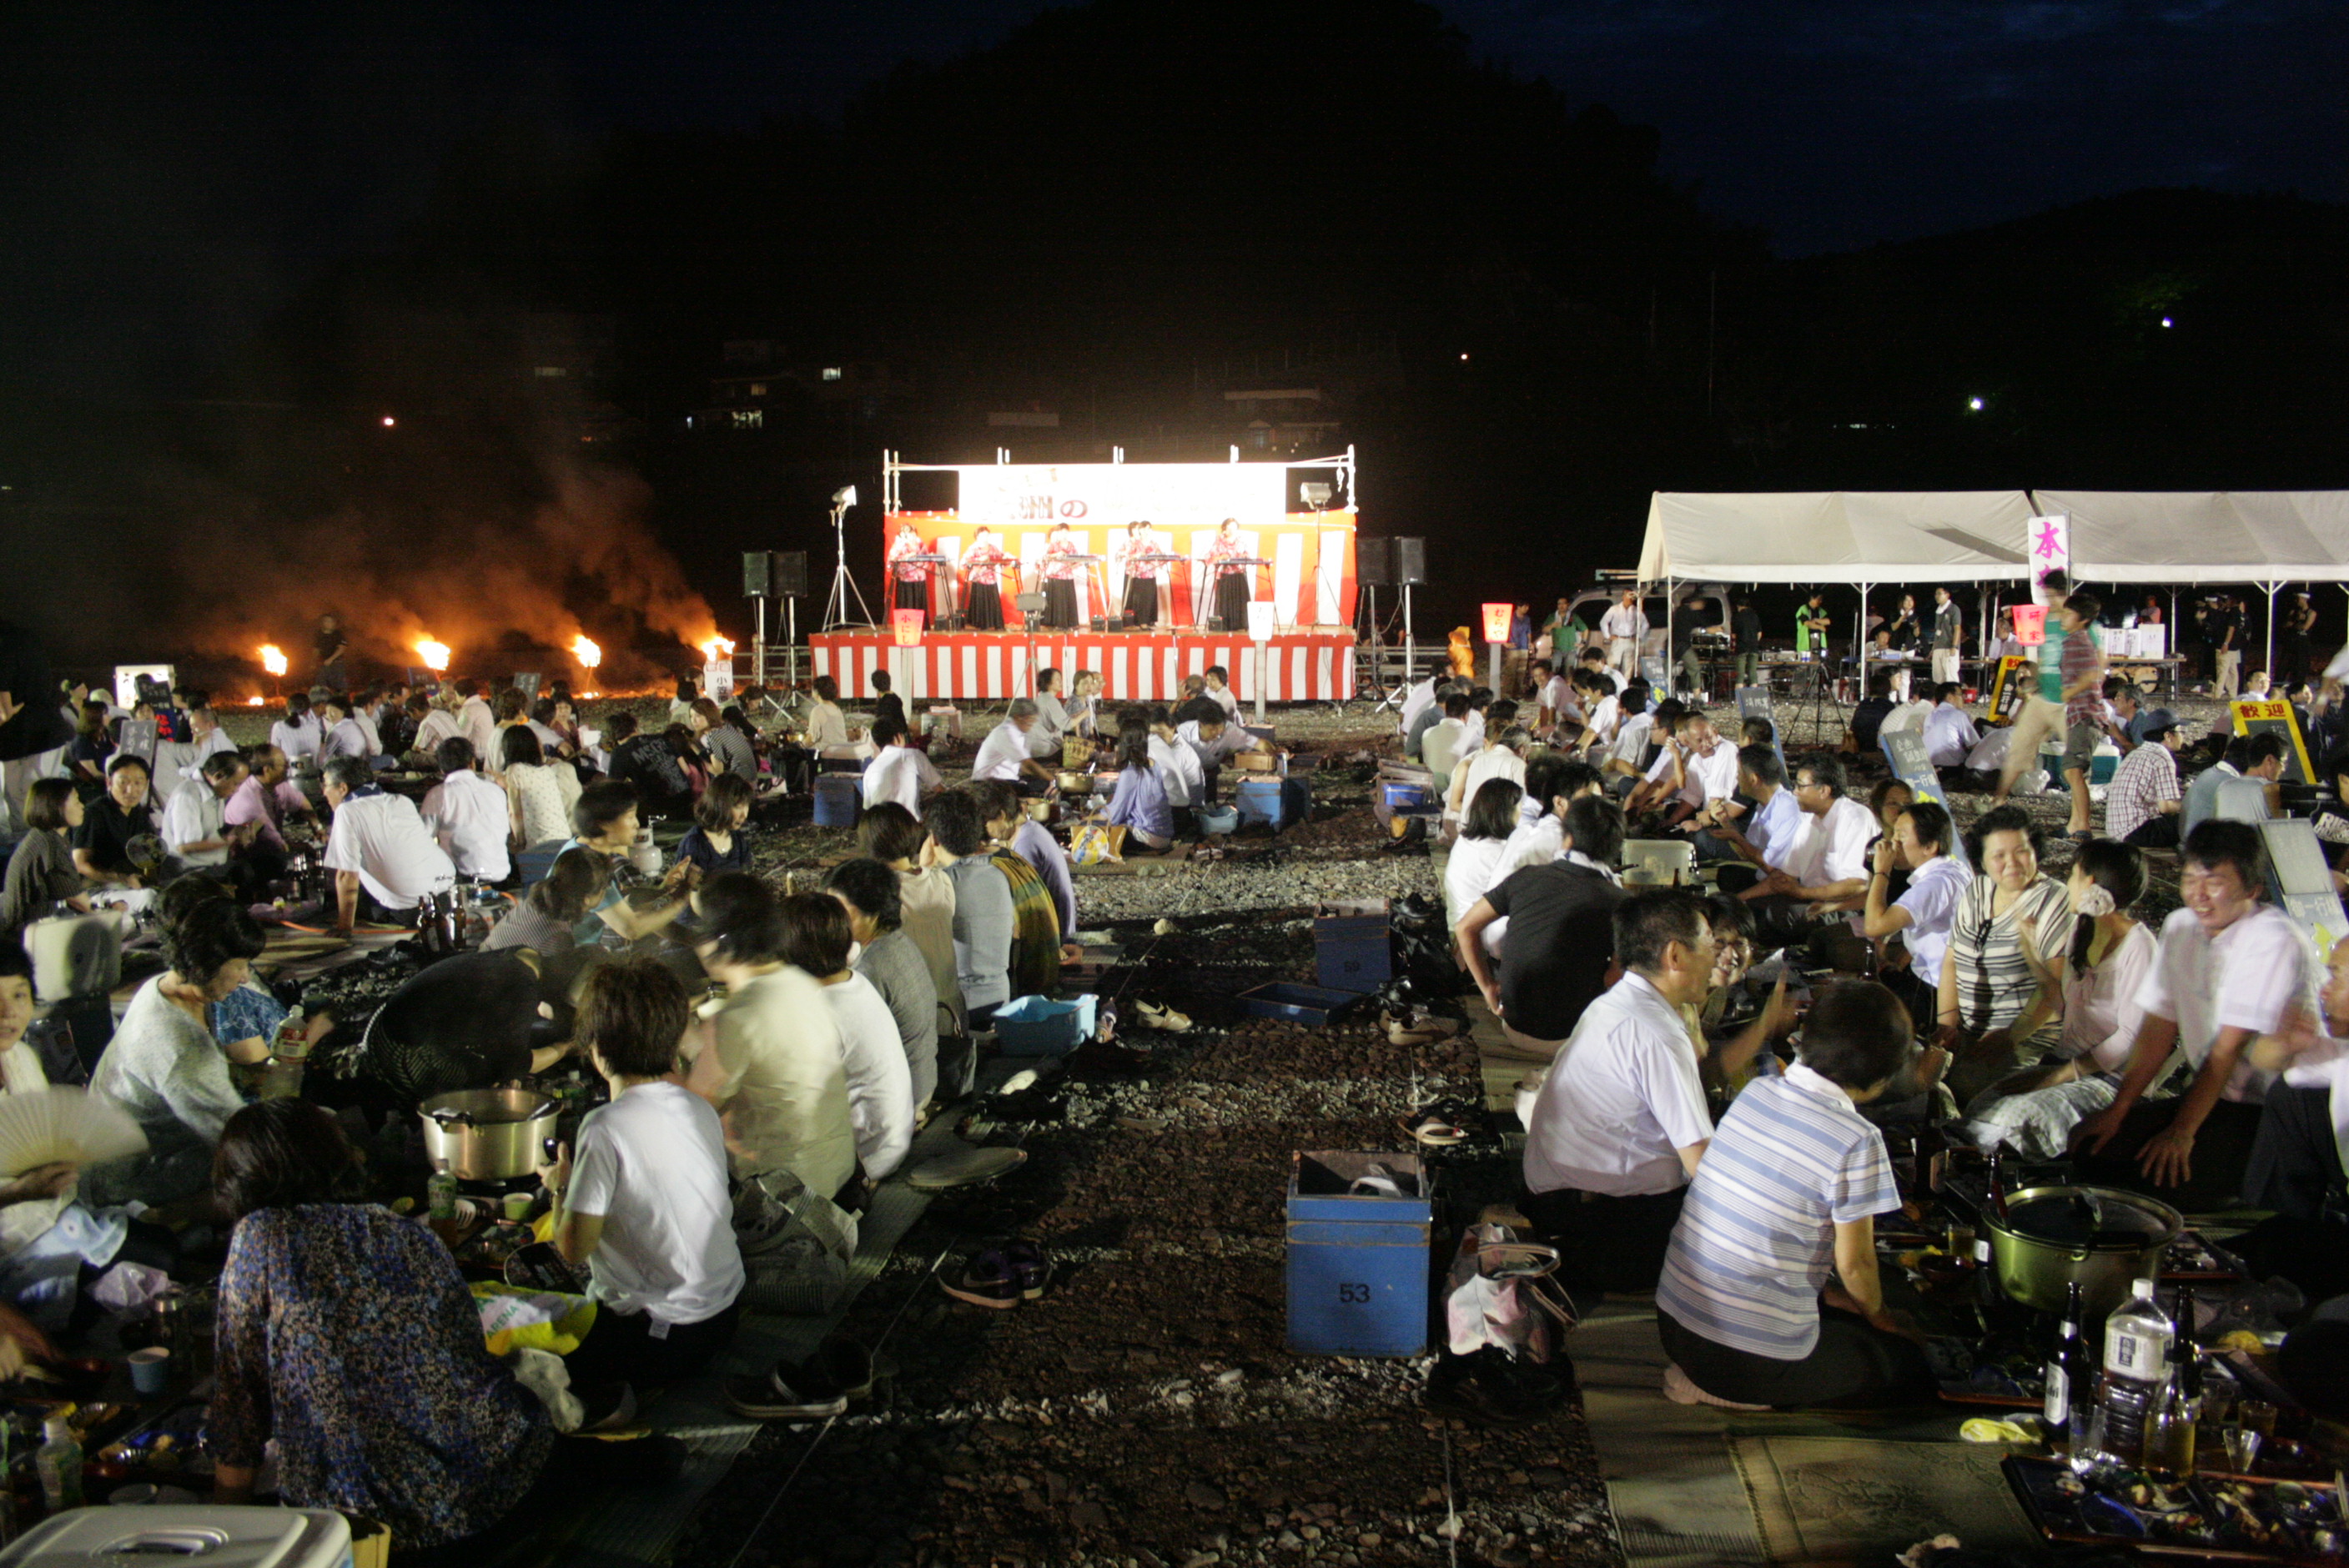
(843, 586)
(1314, 493)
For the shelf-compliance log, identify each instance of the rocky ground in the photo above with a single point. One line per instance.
(1148, 1411)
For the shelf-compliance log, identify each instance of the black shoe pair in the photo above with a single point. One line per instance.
(1492, 1388)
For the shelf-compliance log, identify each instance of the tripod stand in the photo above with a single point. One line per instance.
(836, 603)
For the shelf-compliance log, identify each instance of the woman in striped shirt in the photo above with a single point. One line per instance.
(1997, 1010)
(1783, 1205)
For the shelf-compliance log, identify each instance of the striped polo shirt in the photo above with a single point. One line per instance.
(1755, 1243)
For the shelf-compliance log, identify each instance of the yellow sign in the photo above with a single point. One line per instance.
(2006, 691)
(2255, 718)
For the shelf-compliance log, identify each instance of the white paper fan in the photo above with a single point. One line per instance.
(64, 1124)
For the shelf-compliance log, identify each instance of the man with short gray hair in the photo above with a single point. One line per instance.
(1006, 754)
(379, 844)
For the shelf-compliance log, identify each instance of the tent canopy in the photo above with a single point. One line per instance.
(1978, 536)
(1838, 536)
(2205, 536)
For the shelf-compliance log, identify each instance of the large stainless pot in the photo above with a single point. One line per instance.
(488, 1134)
(2100, 1236)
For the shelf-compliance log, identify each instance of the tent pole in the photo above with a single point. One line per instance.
(2270, 588)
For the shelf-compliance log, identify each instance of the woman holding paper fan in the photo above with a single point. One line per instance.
(42, 1132)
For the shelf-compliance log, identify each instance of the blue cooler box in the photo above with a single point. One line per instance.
(1271, 803)
(1040, 1026)
(837, 796)
(1360, 1267)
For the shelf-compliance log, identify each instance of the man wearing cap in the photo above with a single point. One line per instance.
(2142, 805)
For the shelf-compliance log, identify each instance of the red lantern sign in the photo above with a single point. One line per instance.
(2030, 624)
(1497, 622)
(907, 625)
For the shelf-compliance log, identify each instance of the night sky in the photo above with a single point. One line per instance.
(171, 173)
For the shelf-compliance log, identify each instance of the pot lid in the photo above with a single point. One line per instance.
(2102, 1219)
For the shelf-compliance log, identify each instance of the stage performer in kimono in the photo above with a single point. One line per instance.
(984, 566)
(1141, 576)
(1232, 586)
(1060, 569)
(912, 577)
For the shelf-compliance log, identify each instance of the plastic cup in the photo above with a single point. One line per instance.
(151, 1370)
(517, 1204)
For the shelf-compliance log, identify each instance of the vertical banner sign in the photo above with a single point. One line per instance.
(2050, 549)
(718, 680)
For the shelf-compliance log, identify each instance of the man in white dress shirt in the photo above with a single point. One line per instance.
(379, 845)
(193, 827)
(1949, 731)
(1827, 870)
(2230, 967)
(470, 815)
(297, 734)
(1006, 753)
(900, 771)
(1620, 1123)
(1624, 625)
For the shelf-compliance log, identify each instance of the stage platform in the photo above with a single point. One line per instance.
(1308, 665)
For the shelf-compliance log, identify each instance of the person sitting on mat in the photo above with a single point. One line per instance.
(645, 1204)
(1620, 1123)
(2229, 966)
(1790, 1183)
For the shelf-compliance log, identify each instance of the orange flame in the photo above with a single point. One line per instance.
(434, 654)
(588, 655)
(715, 648)
(272, 659)
(252, 701)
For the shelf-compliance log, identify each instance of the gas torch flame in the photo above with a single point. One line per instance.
(588, 655)
(272, 659)
(434, 654)
(717, 648)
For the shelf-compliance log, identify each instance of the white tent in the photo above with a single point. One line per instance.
(2267, 538)
(1838, 536)
(2205, 536)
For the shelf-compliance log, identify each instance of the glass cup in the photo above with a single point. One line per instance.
(2242, 1446)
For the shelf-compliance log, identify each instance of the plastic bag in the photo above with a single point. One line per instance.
(1500, 1294)
(514, 1319)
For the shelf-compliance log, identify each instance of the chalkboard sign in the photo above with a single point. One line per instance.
(2302, 882)
(1754, 702)
(2254, 717)
(2007, 690)
(1905, 750)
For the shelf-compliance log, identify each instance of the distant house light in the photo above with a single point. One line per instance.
(549, 372)
(831, 373)
(758, 390)
(750, 419)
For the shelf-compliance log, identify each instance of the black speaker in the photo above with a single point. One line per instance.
(1373, 561)
(1410, 562)
(757, 577)
(791, 574)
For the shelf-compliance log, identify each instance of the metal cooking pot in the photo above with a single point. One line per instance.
(2100, 1236)
(488, 1134)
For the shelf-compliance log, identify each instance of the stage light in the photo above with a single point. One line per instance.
(845, 496)
(1314, 493)
(1975, 404)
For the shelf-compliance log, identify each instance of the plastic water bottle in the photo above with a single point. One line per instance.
(2136, 1369)
(441, 1193)
(59, 1462)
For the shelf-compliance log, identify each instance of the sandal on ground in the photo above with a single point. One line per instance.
(1030, 1268)
(1679, 1390)
(788, 1393)
(1433, 1132)
(1166, 1020)
(987, 1280)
